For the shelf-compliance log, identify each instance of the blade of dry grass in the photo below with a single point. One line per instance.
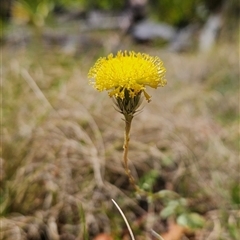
(125, 219)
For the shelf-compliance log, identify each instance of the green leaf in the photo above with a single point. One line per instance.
(191, 220)
(166, 195)
(148, 180)
(174, 207)
(171, 209)
(235, 194)
(234, 231)
(167, 212)
(83, 222)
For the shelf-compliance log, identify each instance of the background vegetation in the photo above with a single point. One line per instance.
(62, 142)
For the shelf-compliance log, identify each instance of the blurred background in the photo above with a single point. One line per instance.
(62, 141)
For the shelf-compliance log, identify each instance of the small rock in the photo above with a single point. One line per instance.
(209, 32)
(183, 40)
(147, 30)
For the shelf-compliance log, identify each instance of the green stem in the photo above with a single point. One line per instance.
(128, 121)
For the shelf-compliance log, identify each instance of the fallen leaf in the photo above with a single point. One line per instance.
(175, 232)
(103, 236)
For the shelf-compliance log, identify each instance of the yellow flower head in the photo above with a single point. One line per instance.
(127, 71)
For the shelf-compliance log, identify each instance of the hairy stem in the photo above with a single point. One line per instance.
(128, 121)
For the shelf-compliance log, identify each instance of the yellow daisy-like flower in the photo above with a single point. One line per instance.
(127, 71)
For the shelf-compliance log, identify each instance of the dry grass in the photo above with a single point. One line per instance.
(62, 144)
